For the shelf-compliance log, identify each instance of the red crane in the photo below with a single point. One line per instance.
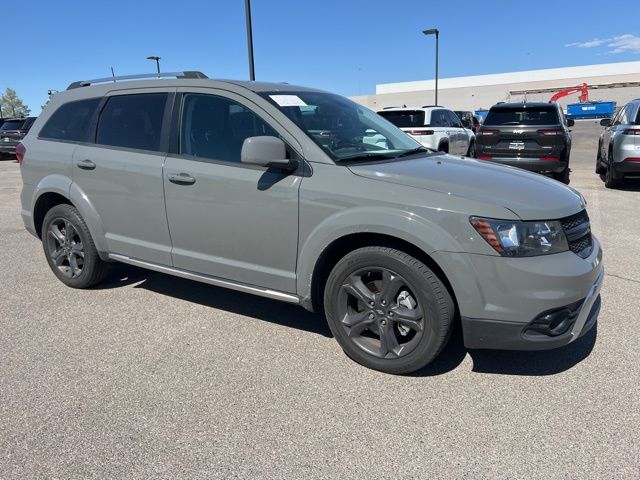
(582, 89)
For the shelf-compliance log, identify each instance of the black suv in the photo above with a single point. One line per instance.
(12, 131)
(533, 136)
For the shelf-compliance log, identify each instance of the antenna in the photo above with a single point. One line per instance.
(113, 74)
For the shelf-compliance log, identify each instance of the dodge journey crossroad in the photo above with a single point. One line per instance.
(279, 191)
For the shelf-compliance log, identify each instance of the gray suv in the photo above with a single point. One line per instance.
(619, 146)
(278, 191)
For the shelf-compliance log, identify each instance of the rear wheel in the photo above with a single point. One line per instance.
(612, 179)
(69, 248)
(443, 147)
(563, 176)
(388, 310)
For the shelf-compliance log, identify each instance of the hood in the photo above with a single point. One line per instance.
(529, 195)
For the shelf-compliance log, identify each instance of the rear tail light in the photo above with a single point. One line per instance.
(488, 132)
(551, 159)
(632, 159)
(484, 157)
(420, 132)
(20, 151)
(551, 132)
(631, 131)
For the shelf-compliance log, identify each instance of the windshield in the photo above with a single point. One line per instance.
(522, 116)
(344, 129)
(12, 125)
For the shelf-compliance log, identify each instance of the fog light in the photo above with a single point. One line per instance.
(552, 324)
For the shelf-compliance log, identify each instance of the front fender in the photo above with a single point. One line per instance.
(420, 232)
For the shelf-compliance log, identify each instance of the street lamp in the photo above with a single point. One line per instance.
(436, 32)
(157, 59)
(247, 10)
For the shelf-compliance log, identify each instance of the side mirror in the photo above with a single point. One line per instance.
(605, 122)
(570, 122)
(266, 152)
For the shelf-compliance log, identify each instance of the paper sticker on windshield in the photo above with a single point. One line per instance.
(288, 100)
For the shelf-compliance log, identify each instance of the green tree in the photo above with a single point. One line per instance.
(12, 106)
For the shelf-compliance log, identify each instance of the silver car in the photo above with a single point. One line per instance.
(619, 146)
(303, 196)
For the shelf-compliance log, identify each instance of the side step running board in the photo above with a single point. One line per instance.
(218, 282)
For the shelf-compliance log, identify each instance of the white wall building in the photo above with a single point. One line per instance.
(618, 82)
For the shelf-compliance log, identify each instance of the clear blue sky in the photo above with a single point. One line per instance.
(343, 46)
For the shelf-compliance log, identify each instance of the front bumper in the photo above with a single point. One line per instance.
(531, 164)
(496, 334)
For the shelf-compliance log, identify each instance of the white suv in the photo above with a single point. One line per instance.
(434, 127)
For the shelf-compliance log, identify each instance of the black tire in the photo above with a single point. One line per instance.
(563, 176)
(599, 168)
(69, 248)
(472, 150)
(612, 179)
(443, 147)
(408, 280)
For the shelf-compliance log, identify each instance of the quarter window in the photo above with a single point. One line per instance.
(215, 127)
(71, 121)
(132, 121)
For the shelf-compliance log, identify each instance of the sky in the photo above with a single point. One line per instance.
(344, 46)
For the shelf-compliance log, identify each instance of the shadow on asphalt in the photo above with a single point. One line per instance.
(549, 362)
(245, 304)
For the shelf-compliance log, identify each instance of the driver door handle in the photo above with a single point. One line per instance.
(181, 179)
(86, 164)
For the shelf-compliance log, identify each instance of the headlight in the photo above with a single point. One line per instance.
(522, 239)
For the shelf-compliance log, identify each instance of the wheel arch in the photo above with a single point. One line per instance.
(342, 245)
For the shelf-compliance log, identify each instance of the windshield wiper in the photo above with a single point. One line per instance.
(414, 151)
(367, 156)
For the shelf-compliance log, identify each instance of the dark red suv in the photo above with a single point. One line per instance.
(12, 131)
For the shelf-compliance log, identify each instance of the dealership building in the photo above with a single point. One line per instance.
(619, 82)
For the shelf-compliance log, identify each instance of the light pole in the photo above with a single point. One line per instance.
(157, 59)
(436, 32)
(247, 10)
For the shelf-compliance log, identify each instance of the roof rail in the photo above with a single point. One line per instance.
(428, 106)
(187, 74)
(387, 108)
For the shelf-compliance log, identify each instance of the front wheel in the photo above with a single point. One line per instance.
(472, 150)
(69, 248)
(388, 310)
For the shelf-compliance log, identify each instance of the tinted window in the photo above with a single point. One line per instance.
(70, 121)
(523, 116)
(405, 118)
(215, 127)
(132, 121)
(439, 118)
(637, 122)
(454, 121)
(12, 125)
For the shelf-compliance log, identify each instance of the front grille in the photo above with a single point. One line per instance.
(578, 231)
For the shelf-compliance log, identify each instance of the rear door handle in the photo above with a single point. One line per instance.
(181, 179)
(86, 164)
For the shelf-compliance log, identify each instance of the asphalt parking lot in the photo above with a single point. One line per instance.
(155, 376)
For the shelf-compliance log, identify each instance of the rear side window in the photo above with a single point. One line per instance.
(440, 118)
(523, 116)
(216, 127)
(70, 121)
(132, 121)
(405, 118)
